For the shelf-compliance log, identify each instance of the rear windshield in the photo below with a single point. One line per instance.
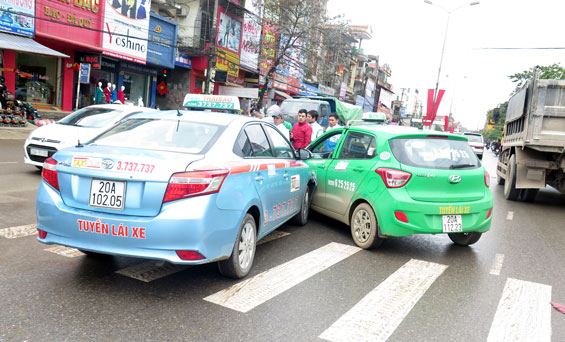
(91, 117)
(434, 153)
(474, 137)
(167, 135)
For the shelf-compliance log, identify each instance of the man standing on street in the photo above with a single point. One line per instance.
(279, 124)
(312, 119)
(301, 132)
(331, 143)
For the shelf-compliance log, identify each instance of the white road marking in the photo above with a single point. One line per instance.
(381, 311)
(497, 264)
(510, 215)
(254, 291)
(151, 270)
(523, 313)
(277, 234)
(19, 231)
(65, 251)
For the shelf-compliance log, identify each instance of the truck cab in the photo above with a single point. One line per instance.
(290, 108)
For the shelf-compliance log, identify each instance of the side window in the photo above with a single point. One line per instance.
(259, 143)
(280, 146)
(324, 148)
(358, 146)
(324, 112)
(243, 146)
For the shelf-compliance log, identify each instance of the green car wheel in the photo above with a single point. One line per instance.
(465, 239)
(364, 227)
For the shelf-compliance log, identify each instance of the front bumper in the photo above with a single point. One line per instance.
(190, 224)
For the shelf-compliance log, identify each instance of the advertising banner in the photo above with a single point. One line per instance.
(161, 49)
(227, 61)
(126, 26)
(268, 51)
(250, 42)
(342, 91)
(292, 66)
(229, 33)
(17, 16)
(307, 89)
(324, 90)
(183, 60)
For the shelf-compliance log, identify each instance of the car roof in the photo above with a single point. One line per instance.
(471, 133)
(125, 107)
(218, 118)
(402, 131)
(303, 100)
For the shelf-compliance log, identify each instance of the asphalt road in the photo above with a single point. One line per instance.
(419, 288)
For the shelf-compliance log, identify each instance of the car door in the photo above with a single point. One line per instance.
(272, 183)
(346, 172)
(322, 153)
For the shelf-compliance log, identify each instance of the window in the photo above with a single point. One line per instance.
(324, 148)
(324, 111)
(358, 146)
(281, 147)
(91, 117)
(434, 153)
(243, 146)
(259, 143)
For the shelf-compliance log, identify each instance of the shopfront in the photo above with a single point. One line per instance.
(140, 83)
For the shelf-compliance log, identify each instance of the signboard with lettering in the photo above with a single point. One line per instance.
(267, 51)
(17, 17)
(229, 32)
(126, 27)
(183, 60)
(227, 61)
(95, 60)
(250, 42)
(325, 90)
(161, 49)
(84, 73)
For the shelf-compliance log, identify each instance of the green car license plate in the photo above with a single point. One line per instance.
(452, 223)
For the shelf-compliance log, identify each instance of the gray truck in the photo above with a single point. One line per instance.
(533, 145)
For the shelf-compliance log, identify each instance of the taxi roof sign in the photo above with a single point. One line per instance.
(217, 102)
(372, 116)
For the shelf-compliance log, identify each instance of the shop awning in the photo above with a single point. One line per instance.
(18, 43)
(283, 94)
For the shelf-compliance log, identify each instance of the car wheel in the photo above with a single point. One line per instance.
(480, 156)
(239, 263)
(364, 227)
(465, 239)
(528, 195)
(301, 218)
(510, 191)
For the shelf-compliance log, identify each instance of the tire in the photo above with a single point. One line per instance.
(239, 263)
(510, 191)
(499, 180)
(480, 156)
(301, 218)
(528, 195)
(364, 227)
(465, 239)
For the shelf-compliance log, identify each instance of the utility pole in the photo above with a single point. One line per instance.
(212, 55)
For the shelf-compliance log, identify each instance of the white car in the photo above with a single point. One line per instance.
(477, 143)
(79, 126)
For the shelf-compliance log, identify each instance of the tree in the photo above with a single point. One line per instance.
(554, 71)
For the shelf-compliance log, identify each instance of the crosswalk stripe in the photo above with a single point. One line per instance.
(510, 215)
(277, 234)
(254, 291)
(151, 270)
(380, 312)
(65, 251)
(497, 264)
(19, 231)
(523, 313)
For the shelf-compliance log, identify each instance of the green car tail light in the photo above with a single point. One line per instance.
(394, 178)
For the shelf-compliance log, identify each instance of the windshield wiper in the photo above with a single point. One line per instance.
(460, 166)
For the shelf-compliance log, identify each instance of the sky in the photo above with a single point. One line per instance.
(408, 36)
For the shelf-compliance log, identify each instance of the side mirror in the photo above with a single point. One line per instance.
(304, 154)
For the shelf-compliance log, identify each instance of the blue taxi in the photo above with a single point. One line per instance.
(187, 187)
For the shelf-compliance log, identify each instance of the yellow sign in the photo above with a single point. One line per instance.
(158, 29)
(227, 61)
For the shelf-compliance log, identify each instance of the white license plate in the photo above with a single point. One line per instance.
(38, 152)
(107, 194)
(452, 223)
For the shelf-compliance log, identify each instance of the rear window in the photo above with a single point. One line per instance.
(155, 134)
(91, 117)
(474, 138)
(434, 153)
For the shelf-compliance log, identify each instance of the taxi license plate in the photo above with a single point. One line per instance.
(38, 152)
(452, 223)
(107, 194)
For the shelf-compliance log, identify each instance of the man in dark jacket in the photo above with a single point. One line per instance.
(301, 133)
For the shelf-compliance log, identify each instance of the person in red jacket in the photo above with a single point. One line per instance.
(301, 133)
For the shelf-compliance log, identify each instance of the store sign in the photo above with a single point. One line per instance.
(161, 48)
(324, 90)
(360, 101)
(126, 30)
(250, 42)
(342, 91)
(280, 82)
(293, 58)
(95, 60)
(183, 60)
(78, 21)
(267, 51)
(236, 80)
(307, 89)
(17, 17)
(227, 61)
(229, 32)
(84, 73)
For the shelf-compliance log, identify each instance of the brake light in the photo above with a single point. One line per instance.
(194, 183)
(487, 179)
(394, 178)
(190, 255)
(49, 173)
(435, 136)
(480, 147)
(401, 216)
(42, 234)
(489, 213)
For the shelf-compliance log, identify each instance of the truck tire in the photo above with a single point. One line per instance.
(510, 191)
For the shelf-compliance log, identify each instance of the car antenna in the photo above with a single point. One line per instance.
(178, 111)
(79, 144)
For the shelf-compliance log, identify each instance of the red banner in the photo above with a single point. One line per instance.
(430, 117)
(446, 126)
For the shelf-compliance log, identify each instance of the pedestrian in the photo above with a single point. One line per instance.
(279, 124)
(331, 143)
(301, 133)
(312, 118)
(257, 114)
(333, 120)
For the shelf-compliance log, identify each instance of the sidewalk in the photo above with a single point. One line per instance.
(16, 132)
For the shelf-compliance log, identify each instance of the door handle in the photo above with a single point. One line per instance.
(285, 175)
(358, 169)
(259, 178)
(322, 166)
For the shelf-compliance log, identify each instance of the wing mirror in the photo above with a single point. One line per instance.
(304, 154)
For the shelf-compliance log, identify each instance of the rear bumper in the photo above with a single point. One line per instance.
(426, 217)
(190, 224)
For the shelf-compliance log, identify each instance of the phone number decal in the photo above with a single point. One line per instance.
(134, 167)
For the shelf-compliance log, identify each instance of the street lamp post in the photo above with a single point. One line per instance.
(444, 40)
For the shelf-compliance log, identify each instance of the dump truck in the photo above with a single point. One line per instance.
(533, 143)
(325, 105)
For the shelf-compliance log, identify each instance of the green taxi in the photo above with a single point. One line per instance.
(386, 181)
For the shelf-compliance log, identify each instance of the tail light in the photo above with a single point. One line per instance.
(480, 147)
(190, 255)
(487, 179)
(42, 234)
(194, 183)
(401, 216)
(394, 178)
(489, 213)
(49, 173)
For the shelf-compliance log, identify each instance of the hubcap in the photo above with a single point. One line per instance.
(305, 206)
(362, 226)
(246, 246)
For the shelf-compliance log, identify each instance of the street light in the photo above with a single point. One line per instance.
(444, 40)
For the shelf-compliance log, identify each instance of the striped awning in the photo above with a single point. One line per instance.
(19, 43)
